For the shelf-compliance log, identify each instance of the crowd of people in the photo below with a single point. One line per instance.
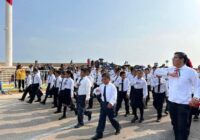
(70, 88)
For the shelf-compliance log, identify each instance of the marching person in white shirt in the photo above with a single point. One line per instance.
(97, 81)
(50, 84)
(108, 94)
(83, 95)
(56, 87)
(28, 82)
(196, 110)
(116, 78)
(36, 84)
(67, 93)
(124, 88)
(61, 92)
(139, 95)
(160, 90)
(147, 76)
(183, 81)
(89, 75)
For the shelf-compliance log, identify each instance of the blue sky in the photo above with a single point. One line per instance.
(139, 31)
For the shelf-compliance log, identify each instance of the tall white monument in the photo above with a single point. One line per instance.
(9, 34)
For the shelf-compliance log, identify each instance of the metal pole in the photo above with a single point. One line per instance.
(9, 34)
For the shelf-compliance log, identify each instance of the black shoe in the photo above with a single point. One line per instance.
(166, 112)
(141, 120)
(61, 118)
(134, 119)
(118, 131)
(38, 100)
(21, 100)
(50, 97)
(43, 103)
(75, 112)
(89, 107)
(196, 118)
(126, 114)
(78, 125)
(97, 137)
(158, 120)
(90, 116)
(29, 102)
(57, 112)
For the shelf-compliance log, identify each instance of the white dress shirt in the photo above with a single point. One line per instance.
(163, 86)
(91, 80)
(97, 78)
(85, 87)
(50, 80)
(28, 80)
(126, 84)
(182, 87)
(70, 85)
(111, 93)
(36, 79)
(63, 84)
(57, 82)
(116, 80)
(148, 78)
(140, 84)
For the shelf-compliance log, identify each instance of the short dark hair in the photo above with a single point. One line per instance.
(122, 73)
(84, 70)
(35, 70)
(28, 72)
(182, 55)
(106, 75)
(58, 72)
(88, 70)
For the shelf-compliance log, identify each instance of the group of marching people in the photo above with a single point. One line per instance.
(71, 89)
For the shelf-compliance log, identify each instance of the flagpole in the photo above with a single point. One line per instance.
(9, 34)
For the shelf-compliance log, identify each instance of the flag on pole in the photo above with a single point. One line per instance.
(10, 1)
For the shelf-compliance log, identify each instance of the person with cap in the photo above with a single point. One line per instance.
(83, 95)
(182, 82)
(108, 94)
(124, 88)
(139, 95)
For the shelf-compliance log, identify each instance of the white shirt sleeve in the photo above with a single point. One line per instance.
(194, 79)
(87, 89)
(113, 100)
(145, 92)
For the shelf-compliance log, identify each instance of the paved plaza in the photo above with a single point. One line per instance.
(22, 121)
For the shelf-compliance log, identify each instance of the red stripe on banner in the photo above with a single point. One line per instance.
(10, 1)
